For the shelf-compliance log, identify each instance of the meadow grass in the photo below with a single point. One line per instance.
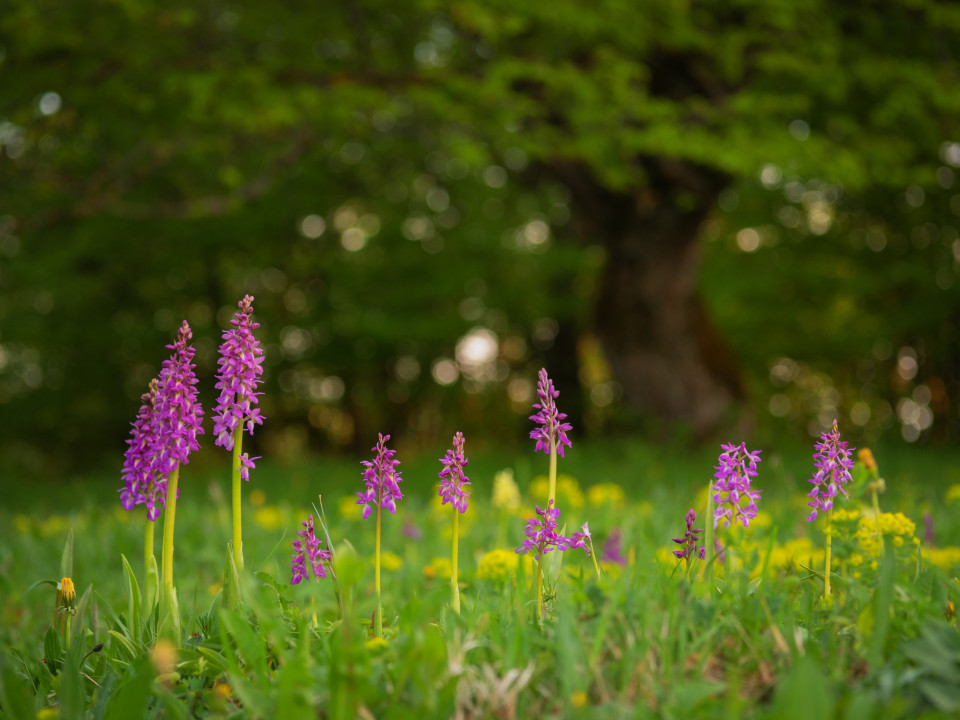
(649, 638)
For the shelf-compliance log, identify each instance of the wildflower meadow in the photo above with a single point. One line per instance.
(753, 583)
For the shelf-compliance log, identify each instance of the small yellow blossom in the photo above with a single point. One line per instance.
(376, 644)
(348, 508)
(163, 655)
(569, 494)
(390, 561)
(66, 591)
(21, 523)
(498, 565)
(269, 518)
(865, 456)
(438, 567)
(763, 520)
(578, 699)
(945, 558)
(896, 527)
(257, 498)
(48, 713)
(213, 589)
(506, 494)
(953, 493)
(606, 494)
(222, 690)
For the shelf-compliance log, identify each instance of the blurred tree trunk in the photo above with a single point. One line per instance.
(664, 352)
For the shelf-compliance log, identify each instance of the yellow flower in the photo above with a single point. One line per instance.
(21, 523)
(606, 494)
(257, 498)
(897, 527)
(54, 525)
(578, 699)
(763, 520)
(794, 552)
(376, 644)
(498, 565)
(348, 508)
(48, 713)
(953, 493)
(67, 592)
(390, 561)
(269, 518)
(945, 558)
(438, 567)
(222, 690)
(506, 494)
(569, 494)
(865, 456)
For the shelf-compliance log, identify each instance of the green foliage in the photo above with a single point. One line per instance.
(371, 174)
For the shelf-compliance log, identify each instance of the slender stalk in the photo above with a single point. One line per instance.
(378, 618)
(552, 493)
(876, 508)
(454, 585)
(237, 525)
(706, 569)
(593, 556)
(826, 574)
(169, 519)
(540, 586)
(147, 545)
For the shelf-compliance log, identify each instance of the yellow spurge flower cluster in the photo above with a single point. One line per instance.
(896, 527)
(498, 565)
(506, 494)
(390, 561)
(945, 558)
(439, 567)
(270, 518)
(569, 494)
(606, 494)
(348, 509)
(953, 493)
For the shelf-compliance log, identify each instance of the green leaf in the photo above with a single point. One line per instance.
(133, 599)
(124, 644)
(71, 696)
(151, 586)
(130, 698)
(882, 601)
(945, 697)
(66, 560)
(170, 615)
(53, 650)
(16, 693)
(804, 693)
(231, 582)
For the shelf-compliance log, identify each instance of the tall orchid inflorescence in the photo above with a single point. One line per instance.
(453, 490)
(308, 548)
(832, 461)
(241, 365)
(142, 486)
(543, 536)
(733, 497)
(177, 418)
(383, 491)
(689, 541)
(551, 431)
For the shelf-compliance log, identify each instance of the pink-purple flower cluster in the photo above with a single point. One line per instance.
(453, 482)
(179, 417)
(165, 431)
(550, 429)
(382, 479)
(142, 486)
(241, 365)
(542, 535)
(833, 461)
(308, 548)
(689, 540)
(736, 468)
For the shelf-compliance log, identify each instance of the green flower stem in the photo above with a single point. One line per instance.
(169, 520)
(826, 574)
(378, 618)
(454, 585)
(593, 556)
(552, 493)
(876, 508)
(540, 586)
(237, 525)
(147, 546)
(707, 566)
